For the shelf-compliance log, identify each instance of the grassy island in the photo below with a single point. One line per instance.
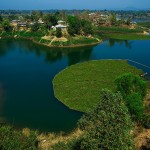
(53, 41)
(78, 86)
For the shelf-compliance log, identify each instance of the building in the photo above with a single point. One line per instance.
(40, 21)
(22, 24)
(15, 22)
(60, 24)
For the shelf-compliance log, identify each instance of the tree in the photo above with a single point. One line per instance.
(113, 19)
(108, 126)
(122, 20)
(128, 22)
(58, 32)
(36, 15)
(74, 25)
(50, 20)
(35, 27)
(135, 105)
(1, 19)
(129, 83)
(12, 17)
(6, 26)
(86, 27)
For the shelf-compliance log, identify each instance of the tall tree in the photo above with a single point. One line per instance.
(58, 32)
(1, 19)
(36, 15)
(113, 19)
(108, 126)
(6, 26)
(50, 20)
(128, 21)
(35, 27)
(86, 27)
(74, 25)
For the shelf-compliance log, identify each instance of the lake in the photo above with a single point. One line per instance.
(27, 70)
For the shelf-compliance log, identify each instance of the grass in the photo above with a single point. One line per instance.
(79, 86)
(22, 34)
(127, 36)
(37, 36)
(144, 24)
(104, 29)
(122, 33)
(73, 41)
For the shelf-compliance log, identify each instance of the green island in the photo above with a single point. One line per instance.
(84, 87)
(78, 86)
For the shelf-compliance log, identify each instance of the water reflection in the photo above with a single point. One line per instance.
(74, 55)
(1, 97)
(128, 44)
(27, 71)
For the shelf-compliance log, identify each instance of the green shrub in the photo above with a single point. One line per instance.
(58, 32)
(129, 83)
(71, 145)
(135, 105)
(145, 120)
(11, 139)
(108, 126)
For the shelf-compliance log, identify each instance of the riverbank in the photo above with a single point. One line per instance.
(52, 41)
(78, 86)
(127, 36)
(122, 33)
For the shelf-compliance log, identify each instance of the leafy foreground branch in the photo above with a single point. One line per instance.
(108, 126)
(11, 139)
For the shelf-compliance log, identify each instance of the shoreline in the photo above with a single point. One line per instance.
(51, 46)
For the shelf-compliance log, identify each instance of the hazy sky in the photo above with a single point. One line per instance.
(73, 4)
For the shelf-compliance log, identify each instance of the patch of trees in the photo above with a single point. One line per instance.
(134, 89)
(35, 27)
(108, 126)
(50, 20)
(11, 139)
(1, 19)
(58, 32)
(122, 21)
(6, 26)
(79, 26)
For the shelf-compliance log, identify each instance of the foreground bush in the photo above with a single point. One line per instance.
(108, 125)
(11, 139)
(129, 83)
(145, 120)
(135, 105)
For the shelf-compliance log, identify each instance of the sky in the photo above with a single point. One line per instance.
(73, 4)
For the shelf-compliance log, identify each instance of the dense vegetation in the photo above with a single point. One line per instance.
(134, 90)
(11, 139)
(82, 90)
(84, 27)
(108, 125)
(121, 33)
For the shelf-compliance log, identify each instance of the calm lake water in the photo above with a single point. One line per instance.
(27, 70)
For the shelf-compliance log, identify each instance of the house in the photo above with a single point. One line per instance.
(40, 21)
(60, 24)
(15, 22)
(22, 24)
